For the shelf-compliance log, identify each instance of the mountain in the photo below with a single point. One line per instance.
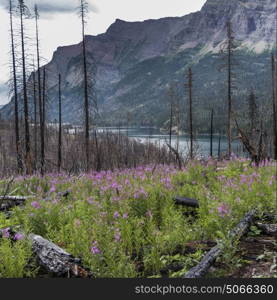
(136, 61)
(3, 93)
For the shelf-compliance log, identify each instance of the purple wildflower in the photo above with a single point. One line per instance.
(19, 236)
(114, 185)
(223, 209)
(117, 235)
(52, 189)
(90, 200)
(116, 215)
(243, 178)
(127, 182)
(136, 195)
(35, 204)
(104, 188)
(140, 194)
(125, 216)
(271, 180)
(6, 232)
(95, 249)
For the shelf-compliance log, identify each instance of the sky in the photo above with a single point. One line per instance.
(60, 26)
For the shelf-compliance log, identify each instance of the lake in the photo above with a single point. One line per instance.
(154, 135)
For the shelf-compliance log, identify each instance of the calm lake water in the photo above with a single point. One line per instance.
(154, 135)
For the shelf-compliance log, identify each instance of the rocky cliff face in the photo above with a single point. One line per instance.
(137, 60)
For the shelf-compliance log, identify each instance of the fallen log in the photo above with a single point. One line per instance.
(269, 229)
(209, 258)
(186, 202)
(261, 241)
(14, 198)
(8, 202)
(50, 257)
(55, 260)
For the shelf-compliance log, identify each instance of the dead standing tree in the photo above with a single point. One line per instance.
(211, 133)
(171, 95)
(43, 117)
(15, 92)
(253, 137)
(93, 108)
(274, 86)
(274, 110)
(174, 116)
(83, 10)
(228, 48)
(35, 120)
(24, 13)
(256, 147)
(60, 127)
(40, 106)
(190, 117)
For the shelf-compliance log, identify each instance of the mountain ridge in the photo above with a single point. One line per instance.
(137, 60)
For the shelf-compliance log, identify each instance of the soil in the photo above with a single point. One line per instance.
(261, 254)
(256, 258)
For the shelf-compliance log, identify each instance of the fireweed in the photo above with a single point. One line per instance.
(122, 220)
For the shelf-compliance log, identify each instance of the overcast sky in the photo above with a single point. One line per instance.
(59, 24)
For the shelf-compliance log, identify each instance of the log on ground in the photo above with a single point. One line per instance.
(7, 203)
(269, 229)
(209, 258)
(14, 198)
(55, 260)
(186, 202)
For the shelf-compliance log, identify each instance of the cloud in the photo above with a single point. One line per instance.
(48, 7)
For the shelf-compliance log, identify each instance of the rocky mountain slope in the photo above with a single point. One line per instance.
(136, 61)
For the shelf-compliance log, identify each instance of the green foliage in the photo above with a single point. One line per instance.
(15, 259)
(125, 223)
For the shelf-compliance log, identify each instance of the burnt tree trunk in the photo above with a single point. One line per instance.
(35, 121)
(60, 127)
(190, 112)
(274, 111)
(202, 268)
(229, 128)
(28, 162)
(55, 260)
(219, 146)
(211, 135)
(16, 120)
(170, 124)
(39, 96)
(83, 9)
(43, 123)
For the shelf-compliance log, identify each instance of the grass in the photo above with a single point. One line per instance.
(125, 223)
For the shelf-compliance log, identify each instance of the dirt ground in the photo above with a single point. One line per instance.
(256, 258)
